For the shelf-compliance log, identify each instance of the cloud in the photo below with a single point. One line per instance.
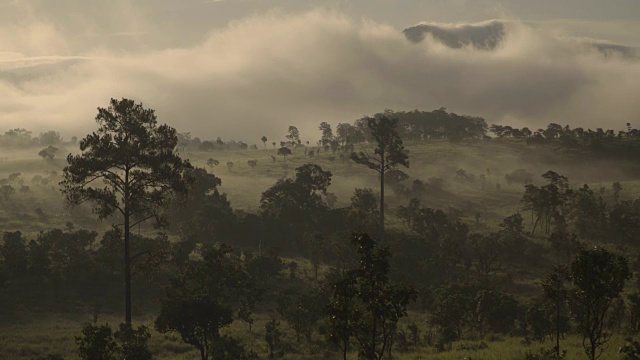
(260, 74)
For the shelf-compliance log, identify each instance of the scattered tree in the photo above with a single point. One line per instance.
(388, 154)
(48, 153)
(212, 163)
(284, 152)
(129, 166)
(599, 277)
(364, 304)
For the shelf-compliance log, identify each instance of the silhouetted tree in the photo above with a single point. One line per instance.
(6, 191)
(284, 152)
(48, 153)
(49, 138)
(327, 134)
(388, 154)
(129, 166)
(555, 290)
(264, 141)
(363, 215)
(204, 298)
(599, 277)
(293, 136)
(212, 163)
(364, 304)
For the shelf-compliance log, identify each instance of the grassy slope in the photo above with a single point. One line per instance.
(28, 337)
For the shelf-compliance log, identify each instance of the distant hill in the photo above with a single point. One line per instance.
(488, 35)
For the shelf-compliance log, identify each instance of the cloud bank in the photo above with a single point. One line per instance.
(260, 74)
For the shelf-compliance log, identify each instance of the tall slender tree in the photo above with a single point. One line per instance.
(129, 167)
(388, 153)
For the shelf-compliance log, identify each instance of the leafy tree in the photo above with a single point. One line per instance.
(363, 215)
(212, 163)
(301, 309)
(96, 343)
(293, 136)
(6, 191)
(624, 222)
(252, 163)
(204, 298)
(273, 337)
(207, 146)
(589, 214)
(134, 342)
(264, 141)
(348, 134)
(48, 153)
(14, 253)
(496, 311)
(598, 277)
(340, 324)
(547, 203)
(453, 308)
(129, 166)
(488, 252)
(370, 307)
(327, 133)
(555, 291)
(230, 166)
(388, 154)
(284, 152)
(539, 320)
(521, 176)
(49, 138)
(296, 202)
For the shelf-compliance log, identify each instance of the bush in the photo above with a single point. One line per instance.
(228, 348)
(273, 337)
(134, 343)
(630, 350)
(545, 354)
(96, 343)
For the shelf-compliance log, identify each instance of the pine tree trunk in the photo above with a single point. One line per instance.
(127, 254)
(382, 195)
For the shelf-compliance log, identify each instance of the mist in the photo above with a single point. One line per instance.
(274, 69)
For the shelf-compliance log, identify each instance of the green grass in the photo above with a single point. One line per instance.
(34, 337)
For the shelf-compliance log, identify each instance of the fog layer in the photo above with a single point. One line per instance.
(260, 74)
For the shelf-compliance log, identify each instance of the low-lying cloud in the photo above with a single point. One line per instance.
(263, 73)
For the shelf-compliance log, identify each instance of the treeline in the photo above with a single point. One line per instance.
(22, 138)
(413, 125)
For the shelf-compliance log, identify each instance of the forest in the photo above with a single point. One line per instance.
(400, 235)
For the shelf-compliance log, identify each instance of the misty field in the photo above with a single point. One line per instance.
(472, 186)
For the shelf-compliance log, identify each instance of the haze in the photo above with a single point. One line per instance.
(246, 68)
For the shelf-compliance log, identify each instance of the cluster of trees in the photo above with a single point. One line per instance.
(560, 210)
(22, 138)
(188, 143)
(225, 265)
(568, 137)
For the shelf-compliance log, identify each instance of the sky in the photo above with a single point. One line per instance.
(241, 69)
